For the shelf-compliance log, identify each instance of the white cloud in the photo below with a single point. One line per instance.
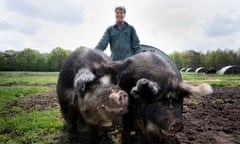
(169, 25)
(57, 11)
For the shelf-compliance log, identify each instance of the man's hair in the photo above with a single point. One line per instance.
(121, 8)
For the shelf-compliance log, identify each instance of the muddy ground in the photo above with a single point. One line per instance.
(212, 119)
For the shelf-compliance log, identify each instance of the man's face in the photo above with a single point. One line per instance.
(120, 15)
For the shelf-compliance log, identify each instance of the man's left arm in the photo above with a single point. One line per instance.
(135, 43)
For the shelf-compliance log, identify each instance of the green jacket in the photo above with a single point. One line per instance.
(123, 41)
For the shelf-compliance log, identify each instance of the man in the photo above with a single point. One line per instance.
(122, 37)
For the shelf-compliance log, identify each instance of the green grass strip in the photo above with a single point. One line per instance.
(28, 77)
(9, 94)
(35, 127)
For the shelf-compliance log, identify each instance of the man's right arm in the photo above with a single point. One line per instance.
(102, 44)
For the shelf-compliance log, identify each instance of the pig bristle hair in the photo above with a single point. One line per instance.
(84, 75)
(204, 89)
(200, 90)
(105, 80)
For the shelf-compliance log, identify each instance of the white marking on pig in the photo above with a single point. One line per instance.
(106, 124)
(201, 90)
(151, 127)
(155, 90)
(83, 75)
(132, 133)
(105, 80)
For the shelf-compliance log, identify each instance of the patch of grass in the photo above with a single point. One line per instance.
(28, 77)
(20, 126)
(8, 94)
(34, 127)
(232, 80)
(116, 131)
(219, 101)
(195, 102)
(15, 110)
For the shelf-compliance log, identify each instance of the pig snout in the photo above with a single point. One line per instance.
(123, 98)
(175, 126)
(120, 97)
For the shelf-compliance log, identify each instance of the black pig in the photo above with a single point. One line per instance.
(85, 91)
(156, 92)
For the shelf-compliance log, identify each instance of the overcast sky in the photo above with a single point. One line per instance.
(172, 25)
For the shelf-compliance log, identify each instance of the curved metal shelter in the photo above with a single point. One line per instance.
(190, 70)
(182, 69)
(201, 70)
(211, 71)
(232, 69)
(159, 52)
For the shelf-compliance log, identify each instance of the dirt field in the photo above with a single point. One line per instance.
(212, 119)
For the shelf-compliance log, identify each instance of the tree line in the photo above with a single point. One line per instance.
(214, 59)
(32, 60)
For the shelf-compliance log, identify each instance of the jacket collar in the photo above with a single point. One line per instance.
(123, 25)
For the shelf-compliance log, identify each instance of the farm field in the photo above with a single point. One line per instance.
(29, 112)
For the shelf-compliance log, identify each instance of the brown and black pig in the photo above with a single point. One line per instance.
(86, 92)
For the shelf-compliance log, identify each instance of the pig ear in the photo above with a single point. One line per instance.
(81, 79)
(145, 87)
(135, 92)
(200, 90)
